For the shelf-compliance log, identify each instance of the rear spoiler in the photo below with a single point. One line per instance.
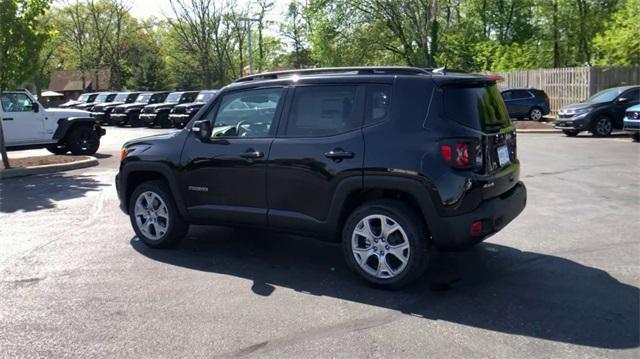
(466, 80)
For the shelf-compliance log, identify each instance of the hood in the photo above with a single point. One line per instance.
(67, 112)
(133, 105)
(633, 108)
(71, 103)
(190, 104)
(576, 107)
(161, 105)
(109, 104)
(85, 105)
(151, 139)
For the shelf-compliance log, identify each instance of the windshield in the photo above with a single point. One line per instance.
(479, 107)
(173, 97)
(101, 98)
(121, 97)
(204, 96)
(606, 95)
(143, 98)
(83, 98)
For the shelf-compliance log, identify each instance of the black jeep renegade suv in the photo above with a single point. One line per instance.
(390, 161)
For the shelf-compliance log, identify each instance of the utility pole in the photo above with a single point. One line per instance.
(248, 21)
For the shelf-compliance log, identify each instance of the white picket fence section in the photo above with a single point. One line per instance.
(571, 84)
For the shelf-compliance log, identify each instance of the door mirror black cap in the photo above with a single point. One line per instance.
(35, 107)
(623, 100)
(202, 129)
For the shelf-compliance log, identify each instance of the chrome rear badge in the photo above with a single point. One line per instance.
(198, 189)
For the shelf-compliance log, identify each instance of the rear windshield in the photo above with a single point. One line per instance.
(479, 107)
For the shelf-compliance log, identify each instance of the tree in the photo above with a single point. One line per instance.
(294, 28)
(264, 6)
(619, 43)
(20, 41)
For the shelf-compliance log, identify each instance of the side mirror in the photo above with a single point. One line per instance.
(202, 129)
(35, 107)
(623, 100)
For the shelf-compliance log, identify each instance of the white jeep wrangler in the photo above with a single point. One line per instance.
(26, 124)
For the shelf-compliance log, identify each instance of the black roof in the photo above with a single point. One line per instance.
(441, 76)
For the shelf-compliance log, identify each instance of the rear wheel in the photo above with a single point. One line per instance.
(602, 127)
(636, 137)
(385, 242)
(535, 114)
(571, 133)
(154, 216)
(83, 140)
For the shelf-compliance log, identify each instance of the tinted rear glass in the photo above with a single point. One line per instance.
(479, 107)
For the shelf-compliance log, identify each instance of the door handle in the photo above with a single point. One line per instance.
(7, 119)
(252, 154)
(338, 154)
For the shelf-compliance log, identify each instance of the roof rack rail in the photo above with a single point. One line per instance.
(364, 70)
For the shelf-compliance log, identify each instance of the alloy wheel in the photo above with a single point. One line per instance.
(603, 126)
(152, 216)
(535, 115)
(380, 246)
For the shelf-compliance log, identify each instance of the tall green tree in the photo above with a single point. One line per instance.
(619, 43)
(20, 41)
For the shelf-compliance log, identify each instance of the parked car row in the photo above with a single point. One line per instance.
(600, 114)
(161, 108)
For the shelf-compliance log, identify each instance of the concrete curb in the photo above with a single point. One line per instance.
(89, 161)
(537, 130)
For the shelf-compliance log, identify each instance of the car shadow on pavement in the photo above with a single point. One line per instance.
(34, 193)
(500, 288)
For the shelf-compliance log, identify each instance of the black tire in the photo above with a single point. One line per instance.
(602, 126)
(636, 137)
(83, 140)
(150, 124)
(535, 114)
(571, 133)
(58, 149)
(134, 120)
(416, 234)
(177, 228)
(163, 120)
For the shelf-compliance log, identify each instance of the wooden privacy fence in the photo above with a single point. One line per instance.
(571, 84)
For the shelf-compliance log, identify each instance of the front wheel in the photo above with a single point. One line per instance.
(58, 149)
(385, 242)
(154, 215)
(602, 127)
(83, 140)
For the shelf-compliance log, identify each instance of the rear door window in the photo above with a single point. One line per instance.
(378, 98)
(480, 107)
(323, 111)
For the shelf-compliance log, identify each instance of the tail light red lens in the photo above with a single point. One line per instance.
(462, 154)
(445, 151)
(476, 228)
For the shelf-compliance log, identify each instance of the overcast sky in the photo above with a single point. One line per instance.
(147, 8)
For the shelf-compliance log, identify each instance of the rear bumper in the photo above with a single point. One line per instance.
(454, 233)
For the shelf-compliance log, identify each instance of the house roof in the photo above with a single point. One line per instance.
(71, 80)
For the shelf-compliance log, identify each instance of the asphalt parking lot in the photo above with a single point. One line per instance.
(561, 280)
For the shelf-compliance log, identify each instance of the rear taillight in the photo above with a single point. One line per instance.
(462, 154)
